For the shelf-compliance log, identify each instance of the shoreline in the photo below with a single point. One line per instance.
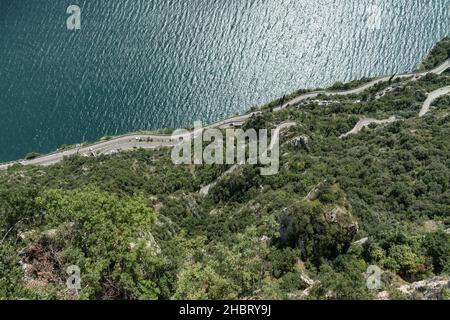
(237, 120)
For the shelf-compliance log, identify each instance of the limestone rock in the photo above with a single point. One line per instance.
(430, 289)
(342, 217)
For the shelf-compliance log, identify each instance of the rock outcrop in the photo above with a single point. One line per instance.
(299, 142)
(430, 289)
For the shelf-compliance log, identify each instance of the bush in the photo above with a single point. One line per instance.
(32, 155)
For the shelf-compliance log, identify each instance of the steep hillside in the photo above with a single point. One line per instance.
(138, 228)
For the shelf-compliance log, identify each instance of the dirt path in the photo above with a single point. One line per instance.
(365, 123)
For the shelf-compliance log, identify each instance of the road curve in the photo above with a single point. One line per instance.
(365, 123)
(438, 70)
(441, 68)
(431, 98)
(150, 141)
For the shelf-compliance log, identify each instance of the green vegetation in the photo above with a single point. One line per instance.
(137, 227)
(339, 86)
(32, 155)
(438, 54)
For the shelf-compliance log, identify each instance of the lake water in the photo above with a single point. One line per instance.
(147, 64)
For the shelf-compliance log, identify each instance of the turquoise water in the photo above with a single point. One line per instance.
(146, 64)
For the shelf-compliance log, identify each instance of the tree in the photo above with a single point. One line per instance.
(407, 263)
(32, 155)
(343, 280)
(108, 238)
(202, 282)
(11, 273)
(221, 271)
(438, 248)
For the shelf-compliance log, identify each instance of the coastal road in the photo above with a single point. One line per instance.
(312, 95)
(441, 68)
(151, 141)
(122, 143)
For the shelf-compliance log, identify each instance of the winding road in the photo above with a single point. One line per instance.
(276, 138)
(365, 123)
(151, 141)
(438, 70)
(431, 98)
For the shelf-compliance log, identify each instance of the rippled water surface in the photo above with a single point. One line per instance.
(146, 64)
